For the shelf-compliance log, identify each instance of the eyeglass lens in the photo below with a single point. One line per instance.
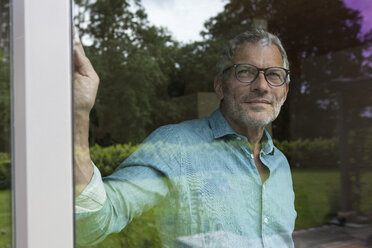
(248, 73)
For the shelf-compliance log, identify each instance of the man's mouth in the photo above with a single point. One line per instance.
(258, 101)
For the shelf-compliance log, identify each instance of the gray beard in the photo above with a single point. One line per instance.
(239, 115)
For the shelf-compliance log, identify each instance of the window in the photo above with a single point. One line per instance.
(148, 79)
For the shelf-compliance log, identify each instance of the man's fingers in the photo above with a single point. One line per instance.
(77, 41)
(79, 54)
(81, 62)
(83, 65)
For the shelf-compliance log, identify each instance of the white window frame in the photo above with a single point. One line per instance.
(42, 124)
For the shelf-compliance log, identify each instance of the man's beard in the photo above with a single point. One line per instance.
(238, 110)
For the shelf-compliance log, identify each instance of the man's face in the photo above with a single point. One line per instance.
(258, 103)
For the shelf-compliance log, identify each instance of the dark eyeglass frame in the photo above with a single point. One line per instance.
(258, 72)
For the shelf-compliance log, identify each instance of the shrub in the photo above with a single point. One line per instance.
(108, 158)
(301, 153)
(306, 153)
(5, 170)
(319, 153)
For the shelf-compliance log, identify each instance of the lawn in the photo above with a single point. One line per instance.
(318, 196)
(317, 201)
(5, 219)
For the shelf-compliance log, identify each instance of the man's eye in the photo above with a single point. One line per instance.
(273, 74)
(245, 72)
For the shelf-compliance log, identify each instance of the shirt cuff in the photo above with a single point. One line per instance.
(93, 196)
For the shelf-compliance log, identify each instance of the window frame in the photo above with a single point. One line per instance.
(42, 130)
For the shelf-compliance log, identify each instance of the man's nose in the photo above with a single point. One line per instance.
(260, 84)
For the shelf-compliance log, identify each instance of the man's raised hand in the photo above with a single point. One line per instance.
(85, 90)
(85, 79)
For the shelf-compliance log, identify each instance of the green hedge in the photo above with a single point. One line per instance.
(108, 158)
(316, 153)
(5, 170)
(301, 153)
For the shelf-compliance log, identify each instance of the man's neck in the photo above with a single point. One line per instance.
(254, 136)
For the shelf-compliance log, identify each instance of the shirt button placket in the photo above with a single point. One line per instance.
(265, 220)
(265, 223)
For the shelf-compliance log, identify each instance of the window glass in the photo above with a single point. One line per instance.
(5, 128)
(211, 182)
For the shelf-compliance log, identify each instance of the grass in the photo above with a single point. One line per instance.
(366, 194)
(5, 219)
(318, 196)
(317, 201)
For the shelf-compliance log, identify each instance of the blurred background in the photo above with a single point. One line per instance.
(156, 61)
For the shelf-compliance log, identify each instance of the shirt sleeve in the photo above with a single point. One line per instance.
(141, 182)
(93, 196)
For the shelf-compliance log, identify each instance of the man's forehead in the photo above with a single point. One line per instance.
(259, 52)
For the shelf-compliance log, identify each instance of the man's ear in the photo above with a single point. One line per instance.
(218, 88)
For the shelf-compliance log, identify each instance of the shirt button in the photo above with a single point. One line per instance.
(252, 156)
(263, 187)
(266, 220)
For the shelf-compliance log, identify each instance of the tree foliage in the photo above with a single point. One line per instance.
(142, 67)
(318, 36)
(5, 113)
(135, 61)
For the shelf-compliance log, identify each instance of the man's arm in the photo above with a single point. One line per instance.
(104, 207)
(85, 90)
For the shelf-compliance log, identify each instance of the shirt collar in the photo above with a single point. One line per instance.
(267, 143)
(220, 127)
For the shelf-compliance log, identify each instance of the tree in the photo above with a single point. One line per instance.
(134, 61)
(5, 113)
(308, 29)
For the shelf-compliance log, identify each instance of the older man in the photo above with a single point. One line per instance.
(215, 178)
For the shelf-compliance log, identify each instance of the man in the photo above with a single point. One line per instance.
(219, 176)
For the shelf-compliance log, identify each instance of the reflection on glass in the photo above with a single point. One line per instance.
(5, 145)
(196, 184)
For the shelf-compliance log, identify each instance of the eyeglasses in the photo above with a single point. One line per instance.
(246, 73)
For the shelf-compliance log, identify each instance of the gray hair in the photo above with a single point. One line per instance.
(256, 35)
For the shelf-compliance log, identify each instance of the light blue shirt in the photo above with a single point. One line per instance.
(202, 177)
